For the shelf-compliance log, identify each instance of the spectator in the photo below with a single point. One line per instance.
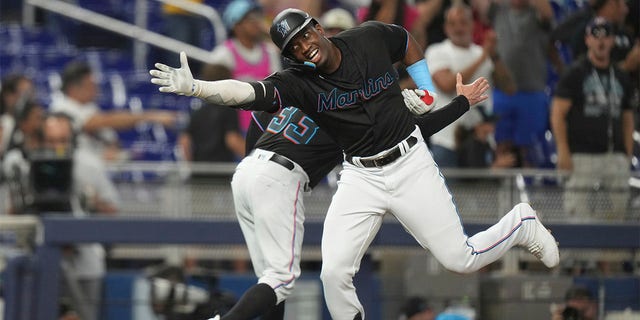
(459, 54)
(592, 123)
(477, 148)
(15, 88)
(84, 265)
(398, 12)
(390, 11)
(416, 308)
(337, 20)
(313, 7)
(213, 134)
(579, 304)
(26, 135)
(523, 27)
(97, 129)
(626, 49)
(24, 139)
(571, 29)
(247, 53)
(432, 20)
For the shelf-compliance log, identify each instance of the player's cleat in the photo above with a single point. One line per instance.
(543, 245)
(215, 318)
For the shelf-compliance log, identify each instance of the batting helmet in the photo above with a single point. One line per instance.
(286, 25)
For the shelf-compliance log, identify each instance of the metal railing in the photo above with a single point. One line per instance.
(482, 196)
(137, 31)
(163, 203)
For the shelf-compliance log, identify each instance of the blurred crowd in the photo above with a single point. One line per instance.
(522, 46)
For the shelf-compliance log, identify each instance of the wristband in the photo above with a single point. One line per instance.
(196, 88)
(420, 74)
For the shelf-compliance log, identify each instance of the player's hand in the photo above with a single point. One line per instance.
(419, 101)
(474, 92)
(179, 81)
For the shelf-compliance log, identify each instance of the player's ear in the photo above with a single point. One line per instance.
(319, 28)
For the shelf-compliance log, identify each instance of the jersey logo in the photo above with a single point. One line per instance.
(371, 88)
(298, 132)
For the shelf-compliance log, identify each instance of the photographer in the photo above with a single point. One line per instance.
(83, 265)
(46, 173)
(579, 304)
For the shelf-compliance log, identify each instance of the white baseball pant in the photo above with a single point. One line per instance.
(268, 199)
(414, 191)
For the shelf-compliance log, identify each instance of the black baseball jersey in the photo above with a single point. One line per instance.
(360, 105)
(293, 134)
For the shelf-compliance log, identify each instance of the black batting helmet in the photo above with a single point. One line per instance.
(286, 25)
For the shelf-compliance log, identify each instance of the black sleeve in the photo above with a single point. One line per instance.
(265, 97)
(436, 120)
(568, 84)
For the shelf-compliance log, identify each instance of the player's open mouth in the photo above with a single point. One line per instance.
(312, 55)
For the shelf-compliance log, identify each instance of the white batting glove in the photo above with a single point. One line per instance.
(179, 81)
(419, 101)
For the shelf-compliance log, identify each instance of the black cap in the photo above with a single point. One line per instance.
(286, 25)
(599, 27)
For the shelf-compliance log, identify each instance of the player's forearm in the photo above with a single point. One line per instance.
(414, 51)
(224, 92)
(417, 65)
(437, 120)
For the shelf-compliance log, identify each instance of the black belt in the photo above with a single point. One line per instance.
(283, 161)
(387, 158)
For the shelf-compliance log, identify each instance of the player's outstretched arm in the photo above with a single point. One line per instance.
(474, 92)
(180, 81)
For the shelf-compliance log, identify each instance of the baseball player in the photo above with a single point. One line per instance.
(348, 86)
(292, 151)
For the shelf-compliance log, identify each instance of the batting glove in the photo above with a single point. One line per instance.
(179, 81)
(419, 101)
